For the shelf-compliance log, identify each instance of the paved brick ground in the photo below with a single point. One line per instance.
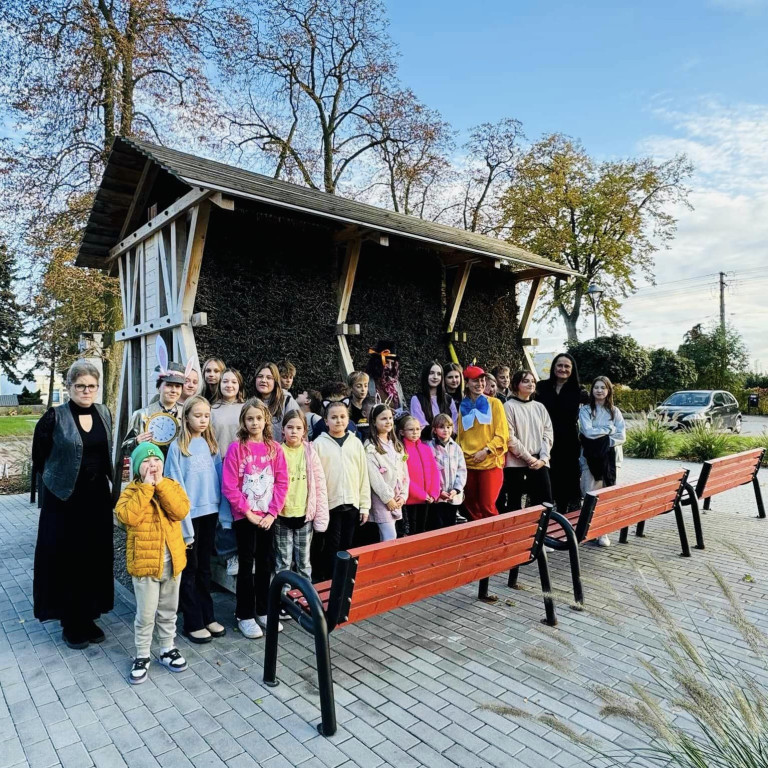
(433, 684)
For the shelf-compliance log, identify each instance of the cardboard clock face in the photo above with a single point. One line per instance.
(163, 427)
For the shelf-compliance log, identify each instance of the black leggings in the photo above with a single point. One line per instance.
(522, 480)
(195, 599)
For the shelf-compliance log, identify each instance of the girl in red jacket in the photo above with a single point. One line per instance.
(424, 486)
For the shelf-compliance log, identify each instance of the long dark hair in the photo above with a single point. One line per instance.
(425, 401)
(573, 380)
(374, 438)
(276, 400)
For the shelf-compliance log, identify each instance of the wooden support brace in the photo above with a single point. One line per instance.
(223, 202)
(179, 208)
(537, 283)
(454, 305)
(344, 295)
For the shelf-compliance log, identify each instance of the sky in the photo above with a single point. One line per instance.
(631, 78)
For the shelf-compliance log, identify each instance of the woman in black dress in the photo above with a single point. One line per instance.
(71, 450)
(562, 395)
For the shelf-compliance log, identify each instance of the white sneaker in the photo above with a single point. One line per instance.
(603, 541)
(263, 621)
(232, 566)
(249, 628)
(548, 550)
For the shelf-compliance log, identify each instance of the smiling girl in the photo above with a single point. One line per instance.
(255, 482)
(432, 399)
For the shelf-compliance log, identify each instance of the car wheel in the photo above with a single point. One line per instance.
(737, 426)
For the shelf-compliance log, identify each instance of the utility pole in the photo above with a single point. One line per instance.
(722, 303)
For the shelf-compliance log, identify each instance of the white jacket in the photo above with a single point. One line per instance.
(346, 471)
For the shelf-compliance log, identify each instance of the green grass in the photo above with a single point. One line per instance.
(17, 426)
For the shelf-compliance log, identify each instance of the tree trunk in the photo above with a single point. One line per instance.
(51, 381)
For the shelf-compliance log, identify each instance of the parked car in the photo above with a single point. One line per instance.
(713, 408)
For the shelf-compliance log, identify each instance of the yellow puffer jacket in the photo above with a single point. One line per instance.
(152, 515)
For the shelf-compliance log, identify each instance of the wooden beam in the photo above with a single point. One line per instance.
(140, 196)
(152, 325)
(361, 233)
(222, 201)
(180, 207)
(530, 274)
(344, 296)
(456, 259)
(530, 305)
(198, 229)
(457, 295)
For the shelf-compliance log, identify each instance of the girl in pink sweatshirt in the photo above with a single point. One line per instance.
(424, 474)
(255, 482)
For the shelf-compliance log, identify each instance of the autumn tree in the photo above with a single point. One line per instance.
(11, 321)
(74, 74)
(668, 371)
(605, 220)
(719, 354)
(319, 72)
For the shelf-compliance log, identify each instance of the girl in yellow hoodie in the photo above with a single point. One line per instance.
(152, 508)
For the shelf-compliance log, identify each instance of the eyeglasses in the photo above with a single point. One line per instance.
(86, 387)
(261, 377)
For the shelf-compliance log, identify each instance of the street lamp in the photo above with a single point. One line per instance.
(594, 292)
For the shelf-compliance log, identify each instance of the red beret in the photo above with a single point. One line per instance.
(473, 372)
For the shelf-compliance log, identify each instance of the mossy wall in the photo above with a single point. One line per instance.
(268, 286)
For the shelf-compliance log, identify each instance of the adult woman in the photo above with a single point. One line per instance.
(432, 399)
(71, 449)
(602, 433)
(454, 383)
(483, 437)
(383, 369)
(212, 370)
(270, 391)
(530, 442)
(561, 395)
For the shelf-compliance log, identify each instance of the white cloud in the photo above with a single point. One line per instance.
(727, 231)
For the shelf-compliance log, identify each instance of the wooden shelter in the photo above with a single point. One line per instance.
(200, 246)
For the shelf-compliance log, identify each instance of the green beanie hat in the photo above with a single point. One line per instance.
(144, 451)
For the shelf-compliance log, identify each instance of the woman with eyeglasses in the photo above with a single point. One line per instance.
(71, 453)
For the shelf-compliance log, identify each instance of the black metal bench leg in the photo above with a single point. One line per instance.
(696, 515)
(758, 498)
(325, 680)
(707, 502)
(623, 535)
(546, 588)
(640, 530)
(573, 555)
(681, 531)
(512, 580)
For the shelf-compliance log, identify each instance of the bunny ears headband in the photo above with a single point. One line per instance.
(172, 373)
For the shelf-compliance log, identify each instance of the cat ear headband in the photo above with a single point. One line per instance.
(344, 400)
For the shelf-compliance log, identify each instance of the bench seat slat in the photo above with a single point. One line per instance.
(381, 572)
(713, 490)
(734, 478)
(426, 542)
(615, 493)
(742, 466)
(517, 553)
(645, 511)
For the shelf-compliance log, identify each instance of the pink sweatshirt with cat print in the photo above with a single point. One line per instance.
(254, 481)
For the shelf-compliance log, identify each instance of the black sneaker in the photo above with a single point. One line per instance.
(173, 660)
(139, 671)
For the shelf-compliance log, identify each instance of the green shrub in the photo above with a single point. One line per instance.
(700, 443)
(648, 440)
(758, 442)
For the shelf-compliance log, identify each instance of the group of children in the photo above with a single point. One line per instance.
(275, 470)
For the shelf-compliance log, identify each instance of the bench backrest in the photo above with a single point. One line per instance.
(609, 509)
(399, 572)
(720, 475)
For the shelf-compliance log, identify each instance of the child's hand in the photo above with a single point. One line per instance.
(452, 494)
(252, 518)
(444, 496)
(430, 500)
(392, 505)
(538, 464)
(266, 522)
(363, 518)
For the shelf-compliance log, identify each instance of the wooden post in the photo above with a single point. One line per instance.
(537, 283)
(454, 304)
(344, 295)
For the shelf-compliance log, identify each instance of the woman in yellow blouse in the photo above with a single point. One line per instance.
(483, 437)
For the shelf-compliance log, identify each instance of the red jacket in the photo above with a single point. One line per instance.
(423, 471)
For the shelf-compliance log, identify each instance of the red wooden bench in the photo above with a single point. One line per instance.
(719, 475)
(616, 508)
(374, 579)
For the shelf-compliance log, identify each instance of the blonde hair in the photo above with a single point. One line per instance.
(404, 421)
(356, 376)
(185, 435)
(442, 420)
(242, 431)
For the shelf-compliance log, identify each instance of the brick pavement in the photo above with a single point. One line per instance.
(433, 684)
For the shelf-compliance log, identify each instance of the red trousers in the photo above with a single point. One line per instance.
(481, 491)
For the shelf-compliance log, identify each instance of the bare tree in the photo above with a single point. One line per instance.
(319, 70)
(492, 153)
(415, 161)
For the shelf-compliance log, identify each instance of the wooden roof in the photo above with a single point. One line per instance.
(131, 161)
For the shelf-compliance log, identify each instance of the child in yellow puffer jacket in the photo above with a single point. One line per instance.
(152, 508)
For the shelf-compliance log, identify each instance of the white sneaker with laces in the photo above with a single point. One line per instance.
(232, 566)
(173, 660)
(603, 541)
(263, 621)
(139, 671)
(249, 628)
